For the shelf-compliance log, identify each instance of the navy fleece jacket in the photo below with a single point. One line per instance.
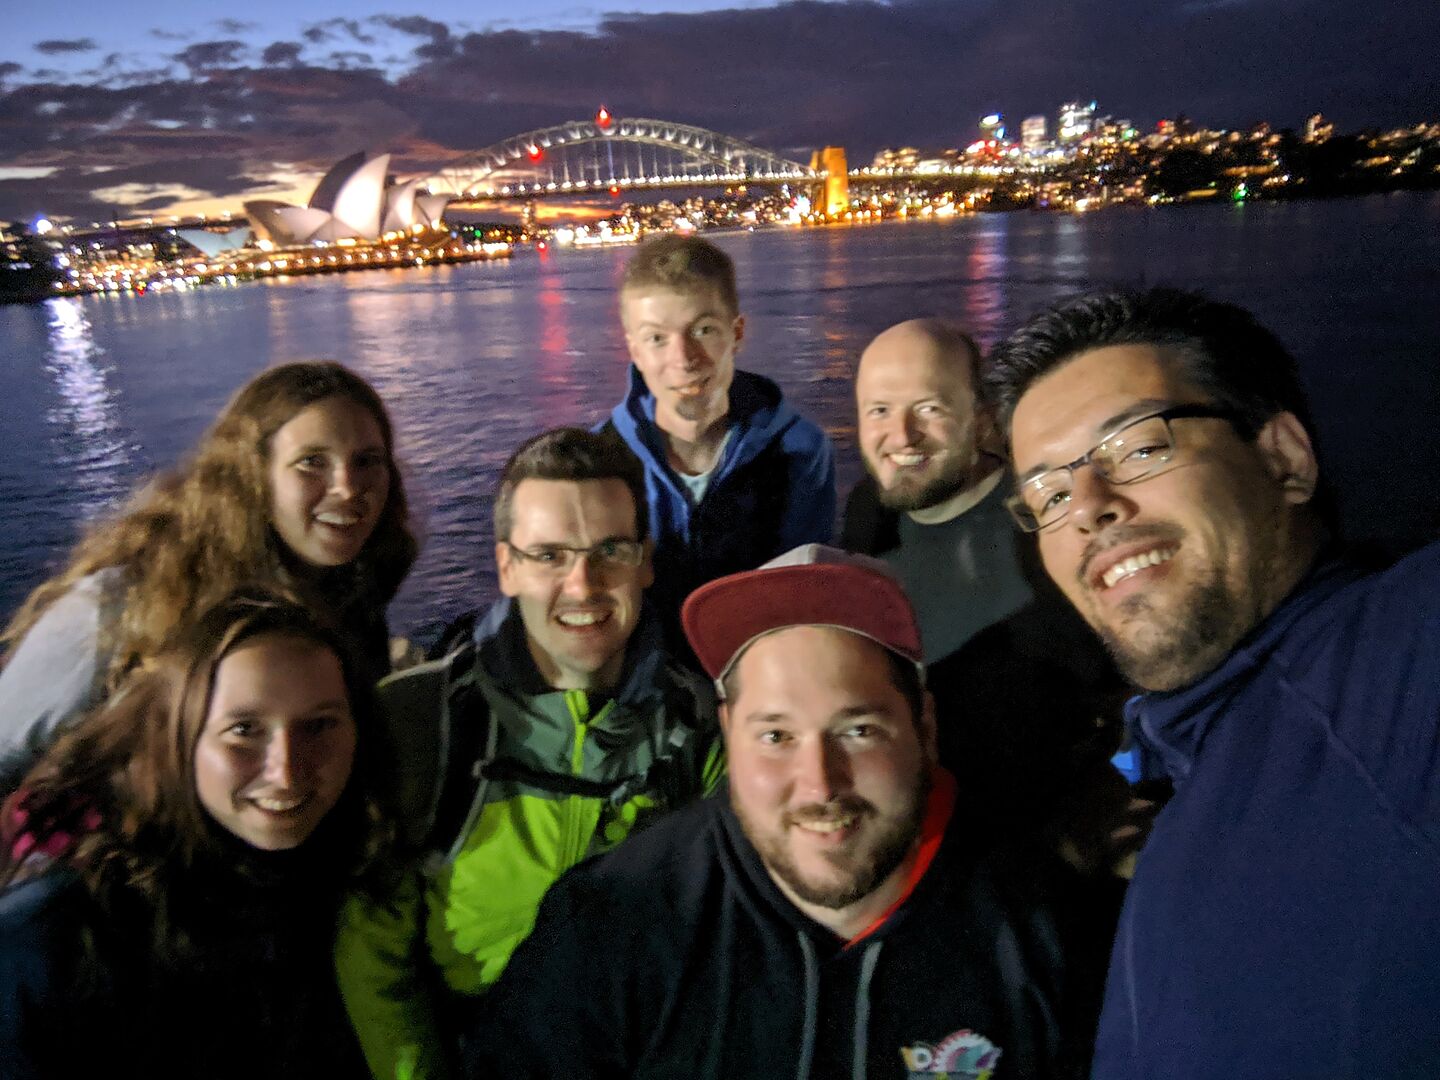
(1282, 923)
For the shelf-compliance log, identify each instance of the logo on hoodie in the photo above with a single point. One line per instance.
(965, 1055)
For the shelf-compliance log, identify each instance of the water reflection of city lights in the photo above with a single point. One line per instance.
(89, 441)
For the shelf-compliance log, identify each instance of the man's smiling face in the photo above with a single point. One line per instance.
(577, 622)
(1173, 569)
(683, 344)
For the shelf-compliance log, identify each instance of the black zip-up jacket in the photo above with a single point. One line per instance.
(676, 955)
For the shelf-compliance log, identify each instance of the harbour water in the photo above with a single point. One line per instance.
(98, 392)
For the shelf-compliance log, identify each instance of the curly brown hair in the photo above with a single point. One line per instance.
(195, 534)
(117, 790)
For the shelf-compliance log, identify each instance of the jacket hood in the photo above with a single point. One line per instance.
(505, 654)
(758, 415)
(1173, 724)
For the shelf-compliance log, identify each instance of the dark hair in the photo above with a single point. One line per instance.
(117, 793)
(905, 676)
(571, 453)
(197, 533)
(684, 264)
(1220, 349)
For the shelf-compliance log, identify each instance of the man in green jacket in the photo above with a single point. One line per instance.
(554, 733)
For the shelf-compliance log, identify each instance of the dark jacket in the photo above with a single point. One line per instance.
(678, 956)
(772, 489)
(1029, 708)
(83, 995)
(1282, 920)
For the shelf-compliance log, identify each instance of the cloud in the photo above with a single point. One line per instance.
(8, 68)
(60, 46)
(236, 26)
(211, 54)
(440, 45)
(336, 29)
(282, 52)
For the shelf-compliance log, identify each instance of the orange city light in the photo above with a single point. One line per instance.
(602, 118)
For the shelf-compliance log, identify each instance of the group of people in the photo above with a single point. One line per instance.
(703, 795)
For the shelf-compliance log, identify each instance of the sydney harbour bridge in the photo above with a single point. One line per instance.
(615, 155)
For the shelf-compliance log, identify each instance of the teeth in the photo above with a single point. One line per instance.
(829, 825)
(278, 806)
(906, 461)
(693, 390)
(1135, 563)
(581, 618)
(331, 517)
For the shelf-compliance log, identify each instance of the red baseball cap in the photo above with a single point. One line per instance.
(812, 585)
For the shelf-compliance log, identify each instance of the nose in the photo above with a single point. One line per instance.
(900, 427)
(1096, 503)
(822, 771)
(580, 578)
(344, 480)
(281, 760)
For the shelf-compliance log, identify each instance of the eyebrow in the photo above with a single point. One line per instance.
(853, 712)
(1103, 430)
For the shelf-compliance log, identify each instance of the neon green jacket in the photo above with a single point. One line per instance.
(562, 775)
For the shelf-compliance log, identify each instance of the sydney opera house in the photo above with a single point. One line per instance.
(351, 202)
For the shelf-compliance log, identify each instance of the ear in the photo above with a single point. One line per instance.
(987, 433)
(647, 565)
(1285, 446)
(505, 565)
(929, 740)
(738, 326)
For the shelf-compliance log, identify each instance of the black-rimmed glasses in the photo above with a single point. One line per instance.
(559, 560)
(1129, 453)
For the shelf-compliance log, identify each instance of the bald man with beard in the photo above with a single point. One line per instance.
(1030, 700)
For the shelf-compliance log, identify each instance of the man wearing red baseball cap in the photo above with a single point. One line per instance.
(832, 917)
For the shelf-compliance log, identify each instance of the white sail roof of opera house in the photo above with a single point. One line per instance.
(351, 202)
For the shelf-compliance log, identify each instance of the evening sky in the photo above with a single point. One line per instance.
(163, 108)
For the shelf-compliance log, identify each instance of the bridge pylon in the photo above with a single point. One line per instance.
(835, 192)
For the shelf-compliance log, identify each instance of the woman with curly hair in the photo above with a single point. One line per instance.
(175, 862)
(294, 488)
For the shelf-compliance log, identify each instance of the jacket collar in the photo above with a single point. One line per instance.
(504, 654)
(1173, 724)
(758, 411)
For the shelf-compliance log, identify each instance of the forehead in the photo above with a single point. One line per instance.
(568, 511)
(814, 672)
(335, 419)
(909, 365)
(1064, 412)
(277, 668)
(661, 306)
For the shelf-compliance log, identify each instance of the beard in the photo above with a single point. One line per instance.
(1170, 646)
(920, 492)
(859, 870)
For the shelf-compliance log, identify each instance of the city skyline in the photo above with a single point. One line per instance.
(194, 116)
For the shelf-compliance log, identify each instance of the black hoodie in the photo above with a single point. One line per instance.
(677, 955)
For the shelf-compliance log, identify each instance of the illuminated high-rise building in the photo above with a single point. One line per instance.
(1032, 133)
(1318, 129)
(1076, 121)
(992, 127)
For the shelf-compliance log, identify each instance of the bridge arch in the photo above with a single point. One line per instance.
(731, 159)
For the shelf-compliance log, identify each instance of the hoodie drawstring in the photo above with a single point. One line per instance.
(862, 1010)
(812, 1008)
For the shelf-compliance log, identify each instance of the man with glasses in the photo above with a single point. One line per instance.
(550, 736)
(1281, 919)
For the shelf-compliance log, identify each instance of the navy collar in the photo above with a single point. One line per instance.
(1173, 724)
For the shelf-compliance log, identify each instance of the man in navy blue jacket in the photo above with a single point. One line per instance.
(1281, 922)
(733, 474)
